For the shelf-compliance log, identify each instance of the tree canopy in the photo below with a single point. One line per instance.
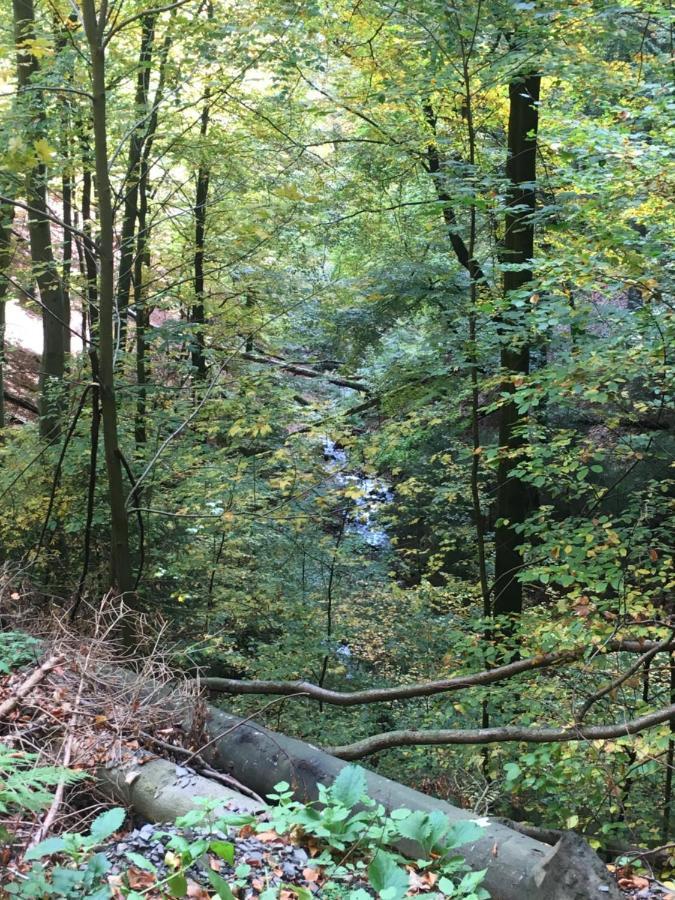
(351, 362)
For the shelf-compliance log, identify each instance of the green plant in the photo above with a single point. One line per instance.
(350, 822)
(83, 877)
(24, 785)
(16, 650)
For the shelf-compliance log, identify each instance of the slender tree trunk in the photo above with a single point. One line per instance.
(67, 188)
(141, 262)
(120, 552)
(42, 255)
(142, 253)
(197, 317)
(6, 215)
(67, 183)
(513, 494)
(138, 136)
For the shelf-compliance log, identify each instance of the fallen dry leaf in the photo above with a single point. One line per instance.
(138, 879)
(267, 836)
(633, 883)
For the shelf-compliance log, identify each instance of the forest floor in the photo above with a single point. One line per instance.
(68, 715)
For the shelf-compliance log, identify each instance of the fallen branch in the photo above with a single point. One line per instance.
(21, 402)
(425, 688)
(306, 372)
(204, 767)
(49, 818)
(507, 733)
(27, 686)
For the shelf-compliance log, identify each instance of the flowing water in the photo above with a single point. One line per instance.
(363, 518)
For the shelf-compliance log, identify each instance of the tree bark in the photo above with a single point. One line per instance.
(513, 498)
(161, 791)
(6, 216)
(131, 194)
(121, 574)
(201, 199)
(46, 273)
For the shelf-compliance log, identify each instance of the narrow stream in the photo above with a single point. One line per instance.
(363, 519)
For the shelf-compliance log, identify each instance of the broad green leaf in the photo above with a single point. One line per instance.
(107, 824)
(45, 848)
(350, 786)
(223, 849)
(385, 874)
(140, 861)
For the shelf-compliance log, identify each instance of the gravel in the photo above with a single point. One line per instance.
(274, 862)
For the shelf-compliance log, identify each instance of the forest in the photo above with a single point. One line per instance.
(336, 448)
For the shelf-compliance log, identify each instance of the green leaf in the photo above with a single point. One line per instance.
(302, 892)
(446, 886)
(45, 848)
(177, 885)
(464, 833)
(350, 786)
(385, 875)
(107, 824)
(223, 849)
(512, 771)
(221, 887)
(141, 861)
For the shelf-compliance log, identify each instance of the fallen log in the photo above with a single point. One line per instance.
(161, 791)
(22, 402)
(518, 867)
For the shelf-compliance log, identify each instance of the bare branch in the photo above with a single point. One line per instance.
(507, 733)
(421, 689)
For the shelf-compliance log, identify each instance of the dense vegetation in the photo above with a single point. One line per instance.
(376, 307)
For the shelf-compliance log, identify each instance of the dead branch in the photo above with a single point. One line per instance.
(507, 733)
(49, 818)
(624, 676)
(21, 402)
(426, 688)
(306, 372)
(204, 767)
(27, 686)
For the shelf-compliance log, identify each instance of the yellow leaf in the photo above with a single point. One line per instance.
(44, 151)
(290, 193)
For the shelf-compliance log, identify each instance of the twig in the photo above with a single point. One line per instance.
(29, 684)
(204, 766)
(48, 820)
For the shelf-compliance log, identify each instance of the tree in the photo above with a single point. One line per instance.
(45, 270)
(514, 495)
(122, 576)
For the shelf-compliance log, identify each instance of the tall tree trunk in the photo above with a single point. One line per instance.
(138, 136)
(197, 317)
(142, 253)
(67, 188)
(42, 255)
(6, 215)
(67, 182)
(141, 263)
(120, 551)
(513, 494)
